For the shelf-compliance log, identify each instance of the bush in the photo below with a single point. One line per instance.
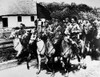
(62, 10)
(7, 54)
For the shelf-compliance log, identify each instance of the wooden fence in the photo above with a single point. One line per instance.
(4, 33)
(6, 44)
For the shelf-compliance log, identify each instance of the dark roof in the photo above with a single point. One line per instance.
(17, 7)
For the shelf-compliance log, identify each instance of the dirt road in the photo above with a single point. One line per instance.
(92, 70)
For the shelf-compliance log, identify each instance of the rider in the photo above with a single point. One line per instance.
(21, 32)
(18, 31)
(76, 30)
(18, 34)
(67, 32)
(68, 26)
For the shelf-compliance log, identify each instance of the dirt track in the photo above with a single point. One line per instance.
(92, 70)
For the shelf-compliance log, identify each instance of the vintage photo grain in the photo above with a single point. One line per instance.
(49, 38)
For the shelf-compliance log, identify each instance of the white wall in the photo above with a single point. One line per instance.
(27, 21)
(13, 21)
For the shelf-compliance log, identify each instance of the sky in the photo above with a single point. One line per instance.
(92, 3)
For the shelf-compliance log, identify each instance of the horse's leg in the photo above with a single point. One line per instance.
(20, 57)
(39, 64)
(50, 64)
(82, 43)
(64, 63)
(77, 55)
(28, 59)
(83, 55)
(18, 54)
(53, 66)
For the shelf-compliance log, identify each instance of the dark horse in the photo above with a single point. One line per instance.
(21, 45)
(27, 51)
(96, 40)
(91, 37)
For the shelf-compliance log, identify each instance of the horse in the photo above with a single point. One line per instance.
(16, 42)
(57, 40)
(65, 54)
(21, 45)
(45, 50)
(96, 40)
(50, 54)
(69, 51)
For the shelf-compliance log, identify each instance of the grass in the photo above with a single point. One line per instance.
(7, 54)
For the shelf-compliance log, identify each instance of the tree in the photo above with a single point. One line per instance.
(84, 8)
(63, 10)
(87, 15)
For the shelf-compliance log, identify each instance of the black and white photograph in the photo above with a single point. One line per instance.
(49, 38)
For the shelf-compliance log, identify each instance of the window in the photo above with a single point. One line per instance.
(32, 18)
(19, 18)
(5, 22)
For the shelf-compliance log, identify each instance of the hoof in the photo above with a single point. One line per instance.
(48, 72)
(66, 75)
(52, 75)
(38, 72)
(16, 57)
(28, 67)
(84, 67)
(78, 67)
(19, 63)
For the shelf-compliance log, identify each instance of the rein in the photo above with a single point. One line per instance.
(66, 51)
(51, 50)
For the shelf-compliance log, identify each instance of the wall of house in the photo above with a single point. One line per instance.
(1, 25)
(27, 21)
(13, 21)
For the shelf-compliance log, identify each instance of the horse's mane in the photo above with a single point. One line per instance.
(25, 38)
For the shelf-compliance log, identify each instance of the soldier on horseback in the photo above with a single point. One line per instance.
(67, 32)
(21, 32)
(72, 33)
(75, 29)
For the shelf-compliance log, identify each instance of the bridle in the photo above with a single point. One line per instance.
(51, 49)
(66, 50)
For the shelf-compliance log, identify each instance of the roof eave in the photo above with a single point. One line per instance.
(19, 15)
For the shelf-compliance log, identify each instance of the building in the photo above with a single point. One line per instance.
(14, 12)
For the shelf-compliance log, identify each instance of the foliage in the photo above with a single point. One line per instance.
(63, 10)
(87, 15)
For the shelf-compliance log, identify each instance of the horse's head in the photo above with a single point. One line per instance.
(27, 35)
(32, 37)
(85, 29)
(55, 40)
(50, 48)
(57, 37)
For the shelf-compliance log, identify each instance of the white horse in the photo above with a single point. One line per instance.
(16, 42)
(40, 49)
(44, 50)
